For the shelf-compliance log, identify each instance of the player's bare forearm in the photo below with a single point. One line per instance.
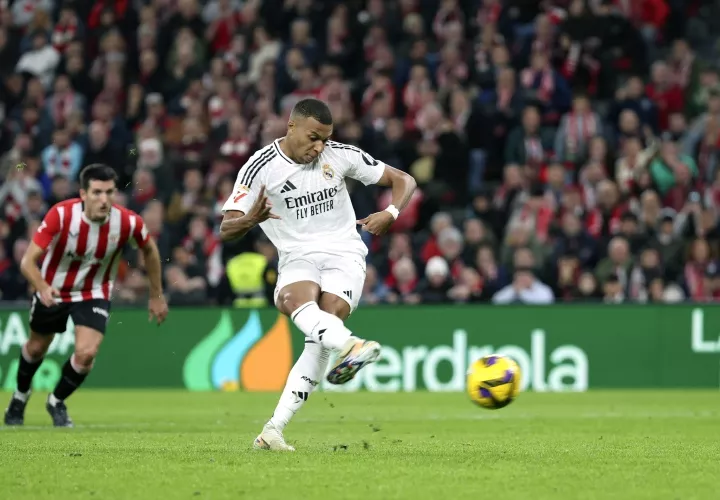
(30, 269)
(153, 268)
(235, 225)
(403, 186)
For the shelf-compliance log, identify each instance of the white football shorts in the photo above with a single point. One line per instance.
(341, 275)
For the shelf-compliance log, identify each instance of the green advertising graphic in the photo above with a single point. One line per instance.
(559, 348)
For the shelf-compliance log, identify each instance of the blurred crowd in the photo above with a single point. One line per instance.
(565, 150)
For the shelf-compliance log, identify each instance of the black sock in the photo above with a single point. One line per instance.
(69, 381)
(25, 373)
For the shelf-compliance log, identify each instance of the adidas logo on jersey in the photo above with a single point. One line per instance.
(289, 186)
(348, 293)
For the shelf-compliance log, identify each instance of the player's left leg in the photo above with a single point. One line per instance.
(31, 357)
(90, 320)
(301, 382)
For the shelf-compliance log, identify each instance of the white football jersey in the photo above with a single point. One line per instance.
(311, 200)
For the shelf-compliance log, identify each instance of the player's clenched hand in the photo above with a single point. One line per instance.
(158, 309)
(377, 223)
(47, 296)
(260, 211)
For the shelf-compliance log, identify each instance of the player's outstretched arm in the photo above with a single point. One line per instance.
(157, 305)
(403, 186)
(236, 224)
(31, 271)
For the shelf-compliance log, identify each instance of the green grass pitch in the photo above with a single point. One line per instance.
(164, 445)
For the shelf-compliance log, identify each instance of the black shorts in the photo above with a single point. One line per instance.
(48, 320)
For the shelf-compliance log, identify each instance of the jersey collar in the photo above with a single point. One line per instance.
(276, 145)
(90, 221)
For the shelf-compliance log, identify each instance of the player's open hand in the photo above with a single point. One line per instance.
(260, 211)
(47, 296)
(158, 309)
(377, 223)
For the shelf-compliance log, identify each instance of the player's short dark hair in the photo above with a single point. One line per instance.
(313, 108)
(97, 172)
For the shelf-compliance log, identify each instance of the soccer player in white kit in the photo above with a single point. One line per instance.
(294, 188)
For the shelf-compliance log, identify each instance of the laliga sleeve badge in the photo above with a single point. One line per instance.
(240, 193)
(328, 172)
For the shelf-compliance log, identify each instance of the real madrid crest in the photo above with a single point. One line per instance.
(328, 172)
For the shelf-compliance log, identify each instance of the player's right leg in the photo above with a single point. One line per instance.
(342, 279)
(357, 352)
(320, 316)
(31, 357)
(45, 322)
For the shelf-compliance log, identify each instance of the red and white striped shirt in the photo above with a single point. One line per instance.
(82, 256)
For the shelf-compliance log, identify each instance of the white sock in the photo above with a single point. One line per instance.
(52, 400)
(303, 379)
(22, 396)
(321, 327)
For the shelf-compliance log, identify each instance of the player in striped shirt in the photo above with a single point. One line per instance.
(82, 240)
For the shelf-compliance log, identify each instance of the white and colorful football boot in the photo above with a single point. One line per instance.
(355, 354)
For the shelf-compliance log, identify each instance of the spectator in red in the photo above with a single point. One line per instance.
(648, 16)
(406, 283)
(224, 19)
(603, 221)
(667, 96)
(410, 216)
(438, 222)
(67, 29)
(698, 262)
